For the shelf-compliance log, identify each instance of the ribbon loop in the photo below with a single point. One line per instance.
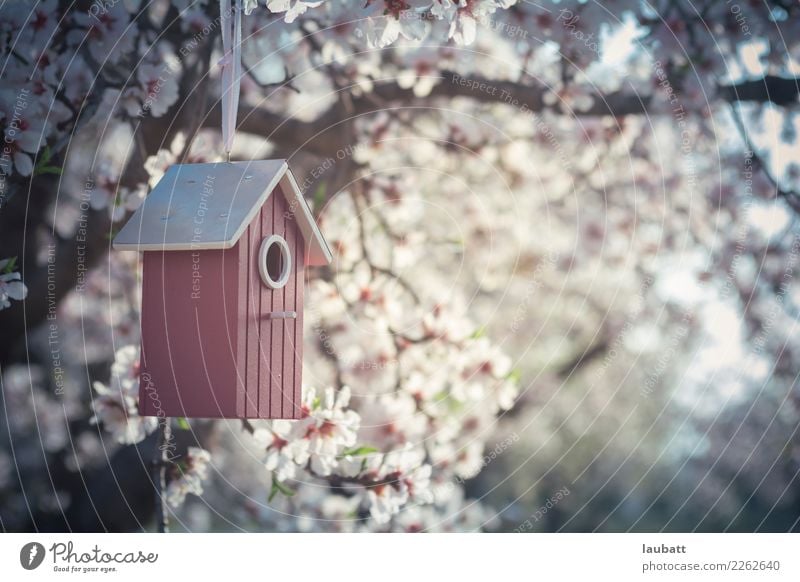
(231, 63)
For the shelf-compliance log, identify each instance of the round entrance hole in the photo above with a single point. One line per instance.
(274, 261)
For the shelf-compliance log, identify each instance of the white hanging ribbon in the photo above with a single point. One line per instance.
(231, 63)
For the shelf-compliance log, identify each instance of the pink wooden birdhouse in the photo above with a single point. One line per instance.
(225, 246)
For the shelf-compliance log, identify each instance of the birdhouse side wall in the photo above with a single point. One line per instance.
(190, 332)
(293, 301)
(272, 347)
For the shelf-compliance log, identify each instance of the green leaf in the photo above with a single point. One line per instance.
(11, 266)
(359, 451)
(183, 423)
(278, 487)
(319, 197)
(43, 163)
(46, 156)
(316, 403)
(514, 375)
(480, 332)
(48, 170)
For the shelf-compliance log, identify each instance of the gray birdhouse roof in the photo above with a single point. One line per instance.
(209, 206)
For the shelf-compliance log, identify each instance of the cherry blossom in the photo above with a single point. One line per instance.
(292, 8)
(285, 452)
(24, 135)
(110, 34)
(116, 405)
(191, 471)
(11, 285)
(400, 478)
(389, 20)
(156, 92)
(330, 429)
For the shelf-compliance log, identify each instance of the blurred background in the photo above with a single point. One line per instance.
(563, 295)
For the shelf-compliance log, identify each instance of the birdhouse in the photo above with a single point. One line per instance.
(224, 249)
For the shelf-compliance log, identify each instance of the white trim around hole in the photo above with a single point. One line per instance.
(286, 260)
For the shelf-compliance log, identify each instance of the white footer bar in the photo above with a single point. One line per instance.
(401, 557)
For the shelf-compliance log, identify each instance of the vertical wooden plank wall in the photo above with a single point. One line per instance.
(242, 317)
(277, 327)
(255, 339)
(299, 288)
(188, 364)
(298, 333)
(289, 325)
(280, 342)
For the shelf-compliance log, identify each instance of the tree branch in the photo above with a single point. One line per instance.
(161, 461)
(778, 90)
(791, 198)
(324, 135)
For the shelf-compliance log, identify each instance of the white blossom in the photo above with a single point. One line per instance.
(192, 470)
(11, 285)
(292, 8)
(116, 406)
